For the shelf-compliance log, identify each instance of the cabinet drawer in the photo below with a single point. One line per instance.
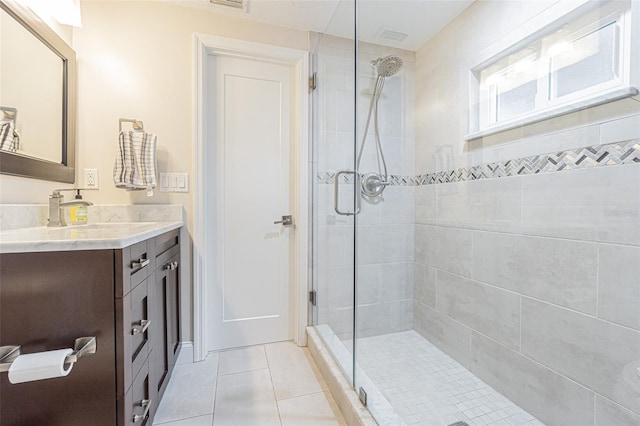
(134, 409)
(135, 330)
(137, 262)
(166, 246)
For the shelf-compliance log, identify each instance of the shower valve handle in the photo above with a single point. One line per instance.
(286, 220)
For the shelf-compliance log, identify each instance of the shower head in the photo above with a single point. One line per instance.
(387, 66)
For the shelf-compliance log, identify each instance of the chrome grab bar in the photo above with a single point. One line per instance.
(336, 192)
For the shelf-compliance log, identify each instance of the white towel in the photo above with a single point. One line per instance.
(135, 165)
(9, 137)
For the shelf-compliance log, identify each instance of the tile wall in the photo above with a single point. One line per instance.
(530, 281)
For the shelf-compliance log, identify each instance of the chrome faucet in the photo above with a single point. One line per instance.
(56, 204)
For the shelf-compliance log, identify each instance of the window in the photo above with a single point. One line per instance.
(582, 59)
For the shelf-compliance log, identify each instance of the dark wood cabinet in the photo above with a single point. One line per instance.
(128, 298)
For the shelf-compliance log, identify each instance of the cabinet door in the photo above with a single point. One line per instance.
(165, 324)
(158, 361)
(173, 310)
(47, 301)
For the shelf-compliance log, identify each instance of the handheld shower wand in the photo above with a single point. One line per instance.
(373, 184)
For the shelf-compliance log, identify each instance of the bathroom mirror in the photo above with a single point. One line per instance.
(37, 97)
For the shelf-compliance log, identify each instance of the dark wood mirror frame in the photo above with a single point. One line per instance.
(19, 165)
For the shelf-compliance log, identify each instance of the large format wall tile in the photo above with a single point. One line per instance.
(368, 245)
(558, 271)
(335, 245)
(426, 204)
(335, 286)
(619, 284)
(396, 243)
(368, 284)
(620, 130)
(597, 354)
(449, 335)
(382, 318)
(424, 284)
(398, 205)
(396, 281)
(448, 249)
(550, 397)
(595, 204)
(339, 319)
(384, 244)
(609, 413)
(488, 204)
(489, 310)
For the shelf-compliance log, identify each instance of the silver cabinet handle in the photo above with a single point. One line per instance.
(140, 263)
(144, 403)
(286, 220)
(336, 192)
(144, 324)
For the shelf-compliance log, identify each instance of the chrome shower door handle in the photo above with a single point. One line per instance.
(336, 192)
(286, 220)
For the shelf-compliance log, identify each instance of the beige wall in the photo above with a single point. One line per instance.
(135, 59)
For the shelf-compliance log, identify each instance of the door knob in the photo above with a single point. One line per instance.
(286, 220)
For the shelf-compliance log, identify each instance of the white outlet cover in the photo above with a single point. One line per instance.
(91, 178)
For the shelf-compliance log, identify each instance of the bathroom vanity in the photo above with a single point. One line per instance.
(117, 282)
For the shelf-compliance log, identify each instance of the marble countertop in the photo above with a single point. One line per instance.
(92, 236)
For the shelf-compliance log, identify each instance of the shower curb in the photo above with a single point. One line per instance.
(343, 393)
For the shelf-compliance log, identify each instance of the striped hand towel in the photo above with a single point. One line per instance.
(135, 165)
(9, 137)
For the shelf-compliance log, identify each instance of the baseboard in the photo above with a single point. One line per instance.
(185, 356)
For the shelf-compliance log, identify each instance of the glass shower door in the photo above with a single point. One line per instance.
(385, 224)
(335, 187)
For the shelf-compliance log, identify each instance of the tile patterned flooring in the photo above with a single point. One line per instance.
(427, 387)
(273, 384)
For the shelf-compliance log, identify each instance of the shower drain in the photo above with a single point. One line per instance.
(459, 424)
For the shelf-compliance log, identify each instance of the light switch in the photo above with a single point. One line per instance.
(174, 182)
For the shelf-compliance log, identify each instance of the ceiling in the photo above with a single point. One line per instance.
(418, 19)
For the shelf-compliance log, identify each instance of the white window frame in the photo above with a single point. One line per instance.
(482, 120)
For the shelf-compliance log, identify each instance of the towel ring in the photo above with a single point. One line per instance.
(9, 113)
(137, 124)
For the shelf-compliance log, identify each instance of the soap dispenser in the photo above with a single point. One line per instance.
(78, 214)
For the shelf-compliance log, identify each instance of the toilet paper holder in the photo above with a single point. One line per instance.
(83, 346)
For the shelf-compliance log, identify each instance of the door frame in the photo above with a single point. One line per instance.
(203, 272)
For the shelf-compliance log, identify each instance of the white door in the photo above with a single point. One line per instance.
(252, 104)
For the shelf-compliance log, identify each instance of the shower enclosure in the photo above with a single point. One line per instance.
(477, 209)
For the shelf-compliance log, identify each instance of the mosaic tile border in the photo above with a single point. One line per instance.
(329, 178)
(612, 154)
